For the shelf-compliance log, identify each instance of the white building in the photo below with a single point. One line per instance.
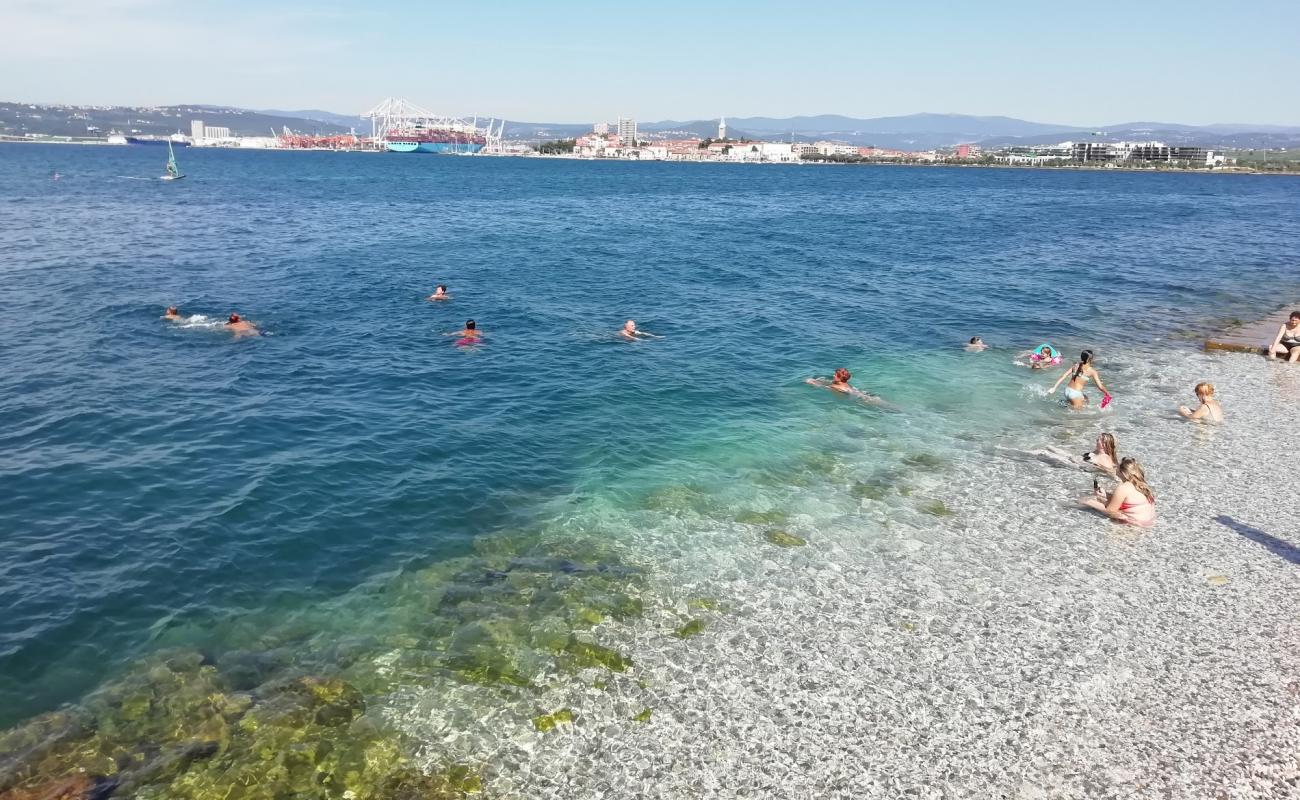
(836, 149)
(722, 127)
(627, 131)
(600, 128)
(780, 152)
(196, 130)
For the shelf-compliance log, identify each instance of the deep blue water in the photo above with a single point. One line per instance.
(157, 480)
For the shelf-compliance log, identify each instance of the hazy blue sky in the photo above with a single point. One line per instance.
(577, 61)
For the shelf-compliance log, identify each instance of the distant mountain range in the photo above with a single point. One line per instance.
(911, 132)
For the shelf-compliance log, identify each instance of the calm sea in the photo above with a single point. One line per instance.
(166, 486)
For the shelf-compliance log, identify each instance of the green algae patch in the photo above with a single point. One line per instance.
(547, 722)
(703, 604)
(588, 617)
(693, 628)
(643, 715)
(589, 654)
(925, 461)
(773, 517)
(869, 490)
(784, 539)
(937, 508)
(290, 719)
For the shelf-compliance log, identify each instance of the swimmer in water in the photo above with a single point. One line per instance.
(440, 293)
(241, 327)
(1044, 357)
(975, 345)
(469, 333)
(630, 332)
(840, 383)
(1209, 409)
(173, 314)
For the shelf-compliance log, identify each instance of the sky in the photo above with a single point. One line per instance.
(1189, 62)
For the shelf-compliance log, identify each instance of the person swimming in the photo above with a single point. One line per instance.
(839, 382)
(440, 293)
(1209, 410)
(173, 314)
(631, 331)
(1043, 356)
(470, 331)
(976, 344)
(1132, 502)
(469, 335)
(1078, 376)
(241, 327)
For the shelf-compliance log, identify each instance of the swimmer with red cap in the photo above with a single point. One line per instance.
(241, 327)
(840, 383)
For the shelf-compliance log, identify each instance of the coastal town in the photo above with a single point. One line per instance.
(622, 142)
(396, 125)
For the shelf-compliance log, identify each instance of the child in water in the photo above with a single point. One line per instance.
(1209, 409)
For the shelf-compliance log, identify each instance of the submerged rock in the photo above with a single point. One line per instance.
(547, 722)
(589, 654)
(784, 539)
(937, 508)
(692, 628)
(773, 517)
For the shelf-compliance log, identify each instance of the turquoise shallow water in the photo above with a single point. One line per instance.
(165, 486)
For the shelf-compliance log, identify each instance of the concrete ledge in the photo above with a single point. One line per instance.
(1253, 337)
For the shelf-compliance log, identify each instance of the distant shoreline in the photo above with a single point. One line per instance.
(1062, 167)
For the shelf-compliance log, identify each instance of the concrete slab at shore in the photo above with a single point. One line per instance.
(1252, 337)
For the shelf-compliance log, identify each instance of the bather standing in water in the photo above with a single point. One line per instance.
(1079, 375)
(975, 345)
(440, 293)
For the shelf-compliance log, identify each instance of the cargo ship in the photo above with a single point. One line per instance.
(400, 126)
(176, 140)
(468, 139)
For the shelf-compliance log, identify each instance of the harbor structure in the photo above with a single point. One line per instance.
(400, 126)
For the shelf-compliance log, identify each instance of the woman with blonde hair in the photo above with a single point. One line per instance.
(1209, 410)
(1132, 502)
(1104, 455)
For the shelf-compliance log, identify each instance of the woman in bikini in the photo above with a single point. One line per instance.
(1287, 342)
(1209, 410)
(1079, 375)
(1132, 502)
